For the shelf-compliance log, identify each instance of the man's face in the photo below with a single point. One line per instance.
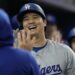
(34, 23)
(73, 44)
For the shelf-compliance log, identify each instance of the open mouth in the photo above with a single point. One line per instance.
(32, 27)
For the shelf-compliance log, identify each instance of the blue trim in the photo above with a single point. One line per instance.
(36, 49)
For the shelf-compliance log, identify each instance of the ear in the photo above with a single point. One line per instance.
(45, 23)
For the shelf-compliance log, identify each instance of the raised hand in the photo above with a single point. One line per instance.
(25, 41)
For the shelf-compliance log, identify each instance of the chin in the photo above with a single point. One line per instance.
(32, 32)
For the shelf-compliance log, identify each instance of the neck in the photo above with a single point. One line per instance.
(40, 42)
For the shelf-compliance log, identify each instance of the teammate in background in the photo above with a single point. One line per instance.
(51, 25)
(13, 61)
(53, 58)
(71, 39)
(14, 22)
(56, 36)
(15, 25)
(52, 31)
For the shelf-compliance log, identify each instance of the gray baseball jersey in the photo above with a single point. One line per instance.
(55, 59)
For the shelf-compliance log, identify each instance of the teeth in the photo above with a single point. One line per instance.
(32, 27)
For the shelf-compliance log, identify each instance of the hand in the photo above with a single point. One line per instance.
(25, 41)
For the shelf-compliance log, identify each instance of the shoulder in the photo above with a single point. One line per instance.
(22, 54)
(60, 47)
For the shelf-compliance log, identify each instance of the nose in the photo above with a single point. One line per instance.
(31, 21)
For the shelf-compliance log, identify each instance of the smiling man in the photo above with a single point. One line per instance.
(53, 58)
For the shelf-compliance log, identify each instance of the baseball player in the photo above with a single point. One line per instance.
(71, 39)
(15, 27)
(13, 61)
(52, 31)
(53, 58)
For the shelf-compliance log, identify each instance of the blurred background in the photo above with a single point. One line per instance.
(63, 10)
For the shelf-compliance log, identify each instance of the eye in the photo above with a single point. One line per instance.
(35, 17)
(25, 19)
